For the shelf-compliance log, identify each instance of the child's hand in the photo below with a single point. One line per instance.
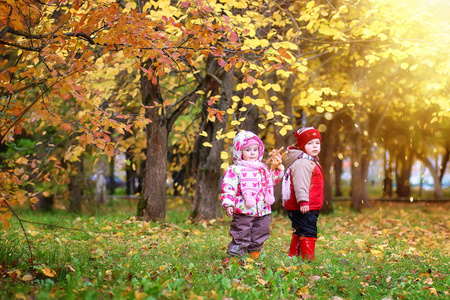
(230, 211)
(304, 209)
(276, 161)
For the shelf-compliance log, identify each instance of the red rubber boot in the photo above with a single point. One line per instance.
(307, 246)
(294, 250)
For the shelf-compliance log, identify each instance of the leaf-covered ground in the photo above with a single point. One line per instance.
(390, 251)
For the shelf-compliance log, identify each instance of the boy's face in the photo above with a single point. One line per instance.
(313, 147)
(250, 153)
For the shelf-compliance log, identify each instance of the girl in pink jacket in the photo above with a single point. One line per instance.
(302, 191)
(247, 194)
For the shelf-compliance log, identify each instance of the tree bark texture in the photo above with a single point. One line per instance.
(329, 144)
(152, 205)
(337, 176)
(76, 188)
(403, 169)
(206, 160)
(434, 173)
(360, 172)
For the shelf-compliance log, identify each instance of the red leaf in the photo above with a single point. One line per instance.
(219, 116)
(234, 37)
(222, 63)
(250, 80)
(185, 4)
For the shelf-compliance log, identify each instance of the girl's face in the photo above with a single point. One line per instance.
(251, 153)
(313, 147)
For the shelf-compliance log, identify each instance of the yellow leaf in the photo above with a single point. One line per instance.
(247, 100)
(230, 134)
(48, 272)
(376, 253)
(361, 243)
(302, 291)
(223, 155)
(404, 66)
(276, 87)
(382, 36)
(20, 296)
(140, 295)
(262, 281)
(34, 200)
(206, 144)
(27, 277)
(204, 133)
(33, 232)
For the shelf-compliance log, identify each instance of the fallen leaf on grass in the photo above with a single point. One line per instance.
(27, 277)
(262, 281)
(48, 272)
(20, 296)
(140, 295)
(302, 291)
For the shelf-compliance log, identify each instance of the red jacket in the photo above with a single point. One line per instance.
(306, 182)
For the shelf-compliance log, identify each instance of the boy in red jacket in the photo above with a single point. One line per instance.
(302, 191)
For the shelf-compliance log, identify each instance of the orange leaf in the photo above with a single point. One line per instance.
(6, 224)
(109, 150)
(48, 272)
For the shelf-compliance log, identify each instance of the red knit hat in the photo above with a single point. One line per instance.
(304, 135)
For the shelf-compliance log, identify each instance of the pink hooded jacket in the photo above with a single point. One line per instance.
(246, 186)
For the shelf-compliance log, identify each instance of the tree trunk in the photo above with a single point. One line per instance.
(152, 204)
(76, 188)
(360, 173)
(434, 173)
(337, 176)
(329, 143)
(403, 170)
(388, 169)
(131, 175)
(206, 160)
(444, 162)
(112, 180)
(44, 203)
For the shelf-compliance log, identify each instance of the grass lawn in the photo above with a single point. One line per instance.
(390, 251)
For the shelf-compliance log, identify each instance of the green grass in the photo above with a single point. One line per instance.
(388, 251)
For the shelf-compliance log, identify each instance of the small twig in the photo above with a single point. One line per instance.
(57, 226)
(23, 229)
